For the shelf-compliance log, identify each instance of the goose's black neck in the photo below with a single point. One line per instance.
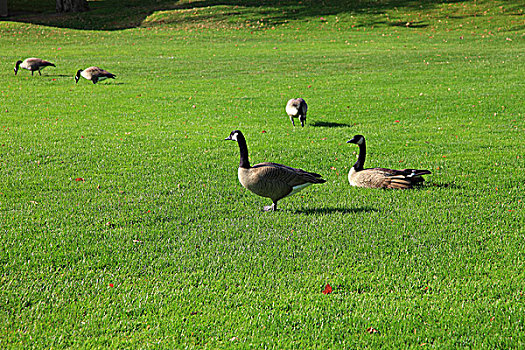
(358, 166)
(244, 163)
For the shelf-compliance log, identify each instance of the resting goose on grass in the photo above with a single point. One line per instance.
(94, 74)
(33, 64)
(271, 180)
(381, 177)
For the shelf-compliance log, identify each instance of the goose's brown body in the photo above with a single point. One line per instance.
(33, 64)
(271, 180)
(381, 177)
(95, 74)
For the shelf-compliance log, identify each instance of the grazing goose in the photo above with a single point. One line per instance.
(94, 74)
(271, 180)
(296, 108)
(381, 177)
(33, 64)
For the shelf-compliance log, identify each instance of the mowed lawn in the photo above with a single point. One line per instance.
(123, 223)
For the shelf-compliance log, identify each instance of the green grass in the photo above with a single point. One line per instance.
(160, 246)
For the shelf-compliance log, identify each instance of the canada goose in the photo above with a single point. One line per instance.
(380, 177)
(32, 64)
(296, 108)
(94, 74)
(271, 180)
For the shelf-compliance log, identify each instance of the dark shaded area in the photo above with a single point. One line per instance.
(330, 125)
(412, 24)
(118, 14)
(317, 211)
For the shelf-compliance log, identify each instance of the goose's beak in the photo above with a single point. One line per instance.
(228, 138)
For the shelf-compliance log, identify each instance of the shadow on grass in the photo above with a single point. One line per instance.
(117, 14)
(330, 125)
(317, 211)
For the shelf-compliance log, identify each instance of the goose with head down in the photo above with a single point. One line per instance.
(32, 64)
(381, 177)
(297, 108)
(271, 180)
(95, 74)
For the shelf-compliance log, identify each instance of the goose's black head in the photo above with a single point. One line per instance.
(234, 135)
(17, 65)
(357, 139)
(77, 76)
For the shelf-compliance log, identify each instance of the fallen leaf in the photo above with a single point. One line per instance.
(372, 330)
(327, 289)
(111, 285)
(396, 121)
(79, 179)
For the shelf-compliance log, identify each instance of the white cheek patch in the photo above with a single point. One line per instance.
(360, 142)
(234, 137)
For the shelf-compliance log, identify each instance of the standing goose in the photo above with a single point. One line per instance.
(32, 64)
(296, 108)
(94, 74)
(381, 177)
(271, 180)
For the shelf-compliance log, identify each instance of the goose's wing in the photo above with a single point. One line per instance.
(277, 181)
(390, 178)
(293, 176)
(380, 178)
(99, 72)
(37, 62)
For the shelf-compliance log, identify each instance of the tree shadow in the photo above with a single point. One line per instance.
(412, 24)
(117, 14)
(330, 125)
(316, 211)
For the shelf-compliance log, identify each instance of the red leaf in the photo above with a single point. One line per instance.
(372, 330)
(396, 121)
(327, 289)
(111, 285)
(79, 179)
(263, 132)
